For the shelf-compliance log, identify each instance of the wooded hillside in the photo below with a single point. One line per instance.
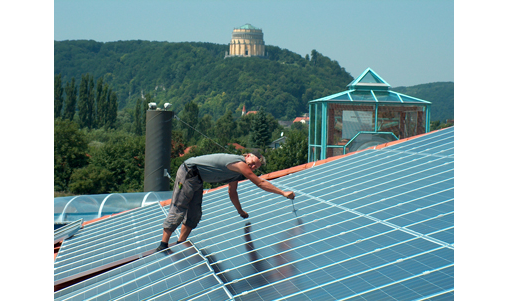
(441, 94)
(182, 72)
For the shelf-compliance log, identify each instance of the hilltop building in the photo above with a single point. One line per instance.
(247, 41)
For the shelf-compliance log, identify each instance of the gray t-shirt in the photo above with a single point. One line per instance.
(212, 168)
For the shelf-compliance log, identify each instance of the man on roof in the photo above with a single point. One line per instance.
(187, 197)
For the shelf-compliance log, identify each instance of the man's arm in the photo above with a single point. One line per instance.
(242, 168)
(234, 197)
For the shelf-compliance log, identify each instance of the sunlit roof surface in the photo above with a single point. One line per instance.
(374, 225)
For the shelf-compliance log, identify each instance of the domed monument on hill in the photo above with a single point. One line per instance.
(247, 41)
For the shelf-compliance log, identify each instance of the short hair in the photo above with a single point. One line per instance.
(259, 156)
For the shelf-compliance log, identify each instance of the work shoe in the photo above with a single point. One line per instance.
(162, 246)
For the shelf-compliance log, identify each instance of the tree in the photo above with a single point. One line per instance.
(199, 72)
(225, 128)
(91, 179)
(206, 125)
(291, 153)
(190, 116)
(112, 110)
(124, 158)
(86, 102)
(260, 135)
(100, 103)
(137, 118)
(314, 56)
(69, 152)
(70, 100)
(144, 108)
(58, 97)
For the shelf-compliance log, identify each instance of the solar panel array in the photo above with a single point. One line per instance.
(376, 225)
(110, 240)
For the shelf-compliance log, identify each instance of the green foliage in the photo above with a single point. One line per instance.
(137, 118)
(441, 95)
(69, 152)
(291, 153)
(260, 135)
(70, 99)
(225, 128)
(436, 125)
(182, 72)
(97, 108)
(190, 116)
(206, 90)
(58, 96)
(123, 156)
(86, 102)
(91, 179)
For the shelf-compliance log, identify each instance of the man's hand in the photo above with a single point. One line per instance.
(244, 214)
(289, 195)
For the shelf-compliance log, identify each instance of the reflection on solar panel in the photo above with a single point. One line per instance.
(375, 225)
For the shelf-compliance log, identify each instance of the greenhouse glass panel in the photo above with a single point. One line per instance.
(312, 118)
(387, 97)
(341, 97)
(318, 128)
(407, 99)
(344, 121)
(334, 151)
(362, 96)
(365, 140)
(403, 121)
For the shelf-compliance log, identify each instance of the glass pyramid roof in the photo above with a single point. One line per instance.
(370, 79)
(369, 87)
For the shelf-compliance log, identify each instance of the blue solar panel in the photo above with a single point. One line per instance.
(183, 271)
(110, 240)
(374, 225)
(378, 212)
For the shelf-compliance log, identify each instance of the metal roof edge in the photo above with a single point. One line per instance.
(329, 97)
(421, 100)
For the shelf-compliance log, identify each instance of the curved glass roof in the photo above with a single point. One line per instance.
(88, 207)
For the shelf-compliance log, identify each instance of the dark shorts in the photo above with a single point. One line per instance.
(186, 200)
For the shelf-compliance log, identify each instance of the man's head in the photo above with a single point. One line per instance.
(254, 160)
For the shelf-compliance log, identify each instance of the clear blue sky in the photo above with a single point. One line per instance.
(407, 42)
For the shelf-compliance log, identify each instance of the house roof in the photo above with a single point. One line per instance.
(372, 224)
(236, 145)
(299, 119)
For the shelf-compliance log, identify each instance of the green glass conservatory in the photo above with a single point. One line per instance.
(365, 115)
